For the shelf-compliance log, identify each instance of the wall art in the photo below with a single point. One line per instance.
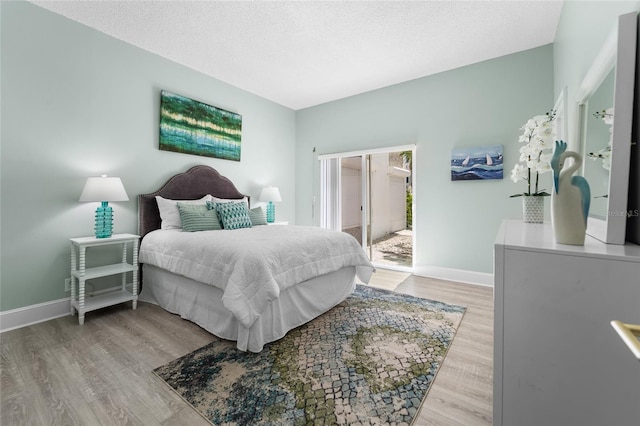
(193, 127)
(477, 163)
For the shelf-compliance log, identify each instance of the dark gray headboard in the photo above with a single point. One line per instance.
(195, 183)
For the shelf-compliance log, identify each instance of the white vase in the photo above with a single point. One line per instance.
(567, 219)
(570, 199)
(532, 209)
(568, 224)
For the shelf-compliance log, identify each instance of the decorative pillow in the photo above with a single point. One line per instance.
(169, 210)
(230, 200)
(196, 217)
(233, 215)
(257, 216)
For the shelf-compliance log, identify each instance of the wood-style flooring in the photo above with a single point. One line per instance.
(60, 373)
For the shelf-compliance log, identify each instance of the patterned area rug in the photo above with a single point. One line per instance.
(370, 359)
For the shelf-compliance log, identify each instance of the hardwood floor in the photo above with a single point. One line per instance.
(462, 393)
(60, 373)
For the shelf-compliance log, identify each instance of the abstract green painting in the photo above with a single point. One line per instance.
(192, 127)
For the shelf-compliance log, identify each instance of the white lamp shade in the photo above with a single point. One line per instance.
(270, 193)
(103, 189)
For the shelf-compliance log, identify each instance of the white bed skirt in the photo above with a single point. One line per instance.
(202, 304)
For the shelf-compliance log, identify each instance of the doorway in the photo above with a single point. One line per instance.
(370, 195)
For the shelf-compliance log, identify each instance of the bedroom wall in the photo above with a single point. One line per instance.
(78, 103)
(481, 104)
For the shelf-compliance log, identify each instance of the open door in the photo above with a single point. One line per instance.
(369, 195)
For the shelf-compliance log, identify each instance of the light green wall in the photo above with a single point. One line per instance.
(77, 103)
(482, 104)
(582, 31)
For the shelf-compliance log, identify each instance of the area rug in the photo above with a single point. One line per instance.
(371, 359)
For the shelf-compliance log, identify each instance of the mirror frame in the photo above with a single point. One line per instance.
(620, 50)
(561, 121)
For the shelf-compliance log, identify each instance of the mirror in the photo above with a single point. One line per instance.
(605, 103)
(598, 112)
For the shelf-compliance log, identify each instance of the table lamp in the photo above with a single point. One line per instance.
(270, 194)
(103, 189)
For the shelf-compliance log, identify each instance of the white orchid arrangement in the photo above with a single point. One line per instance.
(538, 137)
(604, 154)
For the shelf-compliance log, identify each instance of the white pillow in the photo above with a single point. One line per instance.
(169, 210)
(229, 200)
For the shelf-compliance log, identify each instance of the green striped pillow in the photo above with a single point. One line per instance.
(257, 216)
(197, 217)
(234, 215)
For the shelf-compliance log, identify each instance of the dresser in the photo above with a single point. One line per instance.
(557, 360)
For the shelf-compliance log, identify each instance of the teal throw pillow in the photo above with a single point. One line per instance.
(198, 217)
(233, 215)
(257, 216)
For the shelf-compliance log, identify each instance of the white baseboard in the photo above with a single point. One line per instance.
(459, 275)
(33, 314)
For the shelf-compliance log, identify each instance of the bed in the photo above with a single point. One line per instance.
(250, 285)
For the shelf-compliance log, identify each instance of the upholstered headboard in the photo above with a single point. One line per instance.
(195, 183)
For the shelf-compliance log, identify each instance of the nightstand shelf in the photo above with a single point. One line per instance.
(103, 271)
(80, 274)
(104, 300)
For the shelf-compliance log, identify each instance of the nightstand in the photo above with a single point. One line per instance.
(79, 274)
(278, 223)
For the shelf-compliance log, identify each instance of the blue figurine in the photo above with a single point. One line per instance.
(570, 199)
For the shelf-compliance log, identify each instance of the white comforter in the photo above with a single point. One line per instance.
(253, 265)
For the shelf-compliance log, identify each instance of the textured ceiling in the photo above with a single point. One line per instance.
(304, 53)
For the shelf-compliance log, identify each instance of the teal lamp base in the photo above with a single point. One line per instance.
(104, 221)
(271, 212)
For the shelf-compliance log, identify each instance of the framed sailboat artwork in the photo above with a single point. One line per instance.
(477, 163)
